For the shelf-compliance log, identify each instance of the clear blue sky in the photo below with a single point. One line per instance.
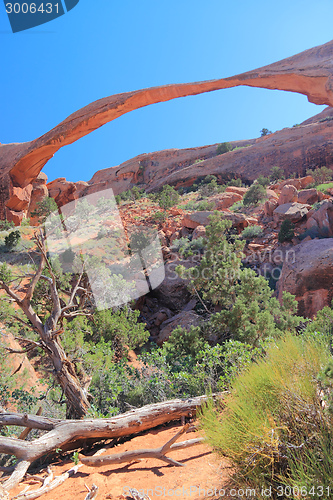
(103, 47)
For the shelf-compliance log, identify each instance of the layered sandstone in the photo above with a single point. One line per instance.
(309, 73)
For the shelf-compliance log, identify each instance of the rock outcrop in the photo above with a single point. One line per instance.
(321, 220)
(309, 73)
(294, 212)
(308, 274)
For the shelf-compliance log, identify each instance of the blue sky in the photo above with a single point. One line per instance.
(104, 47)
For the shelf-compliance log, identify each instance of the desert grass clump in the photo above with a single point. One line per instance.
(274, 426)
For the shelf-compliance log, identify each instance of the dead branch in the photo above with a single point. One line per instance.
(157, 453)
(48, 485)
(63, 432)
(24, 434)
(92, 493)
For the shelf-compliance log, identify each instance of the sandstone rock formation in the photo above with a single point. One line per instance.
(308, 196)
(309, 275)
(309, 73)
(288, 194)
(191, 221)
(321, 220)
(292, 211)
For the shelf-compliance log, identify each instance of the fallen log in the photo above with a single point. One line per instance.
(62, 432)
(134, 455)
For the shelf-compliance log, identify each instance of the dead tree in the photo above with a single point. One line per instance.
(63, 432)
(76, 395)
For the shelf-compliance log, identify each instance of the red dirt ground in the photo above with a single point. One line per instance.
(203, 469)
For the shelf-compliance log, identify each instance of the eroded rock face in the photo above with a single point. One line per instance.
(309, 73)
(309, 275)
(39, 193)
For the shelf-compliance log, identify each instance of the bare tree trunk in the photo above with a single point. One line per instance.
(65, 374)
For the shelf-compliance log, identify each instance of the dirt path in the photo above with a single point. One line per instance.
(203, 472)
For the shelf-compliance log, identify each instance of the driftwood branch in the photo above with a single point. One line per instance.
(64, 432)
(92, 493)
(157, 453)
(49, 484)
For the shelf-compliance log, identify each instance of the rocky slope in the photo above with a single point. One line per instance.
(309, 73)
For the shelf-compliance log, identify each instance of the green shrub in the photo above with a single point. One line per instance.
(251, 232)
(237, 207)
(25, 222)
(187, 248)
(235, 182)
(209, 188)
(323, 187)
(5, 225)
(224, 147)
(248, 311)
(254, 194)
(273, 426)
(44, 208)
(264, 181)
(168, 197)
(287, 231)
(159, 217)
(276, 174)
(321, 175)
(12, 239)
(265, 131)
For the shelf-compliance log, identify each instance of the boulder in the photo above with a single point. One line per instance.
(270, 206)
(185, 319)
(288, 194)
(322, 219)
(202, 219)
(305, 181)
(235, 189)
(20, 198)
(300, 183)
(199, 232)
(62, 191)
(226, 200)
(308, 196)
(271, 194)
(308, 274)
(292, 211)
(173, 292)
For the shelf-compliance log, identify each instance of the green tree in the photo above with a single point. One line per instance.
(321, 175)
(286, 232)
(255, 194)
(12, 239)
(265, 131)
(224, 147)
(168, 197)
(249, 312)
(264, 181)
(276, 174)
(44, 208)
